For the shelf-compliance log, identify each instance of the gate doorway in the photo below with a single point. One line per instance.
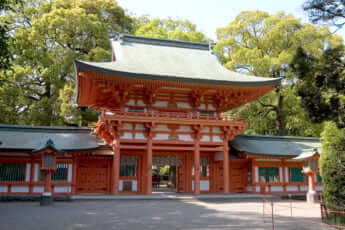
(165, 174)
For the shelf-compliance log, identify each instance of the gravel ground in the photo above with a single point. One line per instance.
(157, 214)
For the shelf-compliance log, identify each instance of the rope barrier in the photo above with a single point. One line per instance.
(274, 212)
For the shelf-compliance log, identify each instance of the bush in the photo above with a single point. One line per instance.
(332, 164)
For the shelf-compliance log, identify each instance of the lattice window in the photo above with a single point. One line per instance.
(127, 170)
(59, 175)
(249, 174)
(268, 174)
(12, 172)
(296, 175)
(48, 161)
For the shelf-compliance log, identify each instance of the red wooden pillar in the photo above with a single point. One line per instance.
(74, 173)
(116, 167)
(226, 165)
(149, 165)
(32, 171)
(197, 164)
(48, 184)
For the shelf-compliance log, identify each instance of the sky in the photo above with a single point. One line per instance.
(209, 15)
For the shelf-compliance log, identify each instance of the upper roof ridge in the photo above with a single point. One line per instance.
(163, 42)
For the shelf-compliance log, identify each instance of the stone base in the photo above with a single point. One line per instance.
(46, 200)
(312, 197)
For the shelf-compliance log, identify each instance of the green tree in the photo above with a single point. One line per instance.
(169, 29)
(5, 55)
(49, 36)
(332, 164)
(264, 45)
(322, 84)
(331, 11)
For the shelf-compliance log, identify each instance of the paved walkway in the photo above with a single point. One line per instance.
(155, 214)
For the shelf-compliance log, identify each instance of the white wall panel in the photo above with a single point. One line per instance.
(185, 137)
(216, 139)
(276, 188)
(62, 189)
(183, 105)
(291, 188)
(184, 128)
(140, 136)
(19, 188)
(204, 185)
(3, 188)
(161, 136)
(256, 171)
(27, 173)
(38, 189)
(162, 128)
(249, 188)
(70, 172)
(161, 104)
(36, 172)
(205, 138)
(127, 135)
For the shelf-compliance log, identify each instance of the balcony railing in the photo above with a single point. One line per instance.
(176, 115)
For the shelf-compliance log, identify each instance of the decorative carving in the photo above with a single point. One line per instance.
(150, 94)
(197, 97)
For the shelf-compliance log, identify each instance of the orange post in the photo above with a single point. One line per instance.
(226, 166)
(197, 167)
(149, 166)
(116, 167)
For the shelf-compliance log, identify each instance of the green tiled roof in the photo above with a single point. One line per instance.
(13, 137)
(170, 60)
(274, 145)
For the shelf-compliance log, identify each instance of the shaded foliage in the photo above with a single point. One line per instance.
(322, 84)
(331, 11)
(332, 164)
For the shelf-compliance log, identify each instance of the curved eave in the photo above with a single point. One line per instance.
(84, 66)
(269, 155)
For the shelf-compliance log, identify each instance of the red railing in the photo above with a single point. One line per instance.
(175, 115)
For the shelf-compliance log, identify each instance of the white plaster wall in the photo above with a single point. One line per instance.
(276, 188)
(161, 136)
(217, 139)
(267, 189)
(291, 188)
(27, 173)
(36, 172)
(304, 188)
(183, 105)
(257, 188)
(139, 127)
(204, 185)
(134, 185)
(256, 171)
(202, 106)
(161, 104)
(216, 130)
(281, 174)
(19, 188)
(211, 107)
(315, 178)
(319, 187)
(38, 189)
(205, 138)
(120, 185)
(127, 135)
(131, 102)
(249, 189)
(141, 103)
(286, 174)
(162, 128)
(218, 156)
(62, 189)
(206, 130)
(127, 126)
(140, 136)
(185, 137)
(184, 128)
(70, 172)
(3, 188)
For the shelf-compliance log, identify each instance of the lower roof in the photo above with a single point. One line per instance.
(274, 145)
(14, 137)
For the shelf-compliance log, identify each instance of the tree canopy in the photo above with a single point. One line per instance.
(264, 45)
(330, 11)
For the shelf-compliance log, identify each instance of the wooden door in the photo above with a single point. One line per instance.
(219, 175)
(93, 176)
(238, 175)
(179, 179)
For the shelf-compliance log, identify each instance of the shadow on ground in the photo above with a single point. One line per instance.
(132, 214)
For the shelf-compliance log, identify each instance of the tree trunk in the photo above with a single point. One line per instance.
(280, 116)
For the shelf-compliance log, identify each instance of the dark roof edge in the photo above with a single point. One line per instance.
(279, 138)
(269, 155)
(42, 128)
(96, 69)
(163, 42)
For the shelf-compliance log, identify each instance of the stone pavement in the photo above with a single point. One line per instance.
(155, 214)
